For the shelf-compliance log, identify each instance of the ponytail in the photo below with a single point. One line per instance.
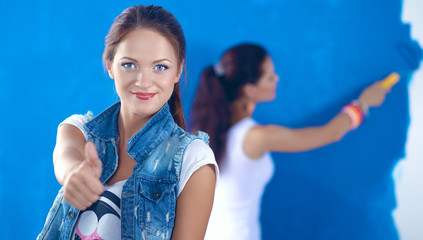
(220, 86)
(175, 106)
(210, 111)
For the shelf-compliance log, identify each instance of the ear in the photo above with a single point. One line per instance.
(249, 90)
(181, 68)
(109, 69)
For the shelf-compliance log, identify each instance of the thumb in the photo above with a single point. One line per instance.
(92, 158)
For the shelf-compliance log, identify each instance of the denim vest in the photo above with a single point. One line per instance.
(148, 200)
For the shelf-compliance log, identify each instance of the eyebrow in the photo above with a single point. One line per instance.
(131, 59)
(157, 61)
(163, 59)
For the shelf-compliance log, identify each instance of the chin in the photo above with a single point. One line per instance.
(269, 99)
(144, 111)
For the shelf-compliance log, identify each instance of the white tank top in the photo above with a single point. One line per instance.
(236, 209)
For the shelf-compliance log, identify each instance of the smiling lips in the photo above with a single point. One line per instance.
(144, 96)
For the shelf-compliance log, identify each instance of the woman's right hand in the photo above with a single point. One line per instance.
(374, 95)
(82, 185)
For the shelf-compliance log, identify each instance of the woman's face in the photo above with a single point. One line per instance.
(145, 69)
(265, 88)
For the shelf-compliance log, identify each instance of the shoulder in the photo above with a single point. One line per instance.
(196, 155)
(198, 148)
(244, 124)
(256, 132)
(78, 120)
(195, 150)
(190, 144)
(259, 132)
(259, 138)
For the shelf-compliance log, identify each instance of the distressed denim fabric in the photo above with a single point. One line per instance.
(149, 196)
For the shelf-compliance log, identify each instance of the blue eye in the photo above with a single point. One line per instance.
(128, 65)
(160, 67)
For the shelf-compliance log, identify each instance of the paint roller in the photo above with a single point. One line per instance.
(411, 54)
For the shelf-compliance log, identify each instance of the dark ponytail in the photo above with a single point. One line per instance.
(210, 111)
(220, 86)
(175, 106)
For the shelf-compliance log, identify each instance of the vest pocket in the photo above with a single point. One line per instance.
(156, 206)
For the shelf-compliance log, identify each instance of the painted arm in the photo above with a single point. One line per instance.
(194, 205)
(77, 167)
(281, 139)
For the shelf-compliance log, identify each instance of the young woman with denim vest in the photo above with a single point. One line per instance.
(132, 172)
(223, 107)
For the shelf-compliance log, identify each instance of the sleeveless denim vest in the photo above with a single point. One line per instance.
(148, 200)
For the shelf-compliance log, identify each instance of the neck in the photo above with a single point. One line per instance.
(241, 108)
(129, 124)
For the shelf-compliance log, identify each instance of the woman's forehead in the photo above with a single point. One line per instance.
(146, 44)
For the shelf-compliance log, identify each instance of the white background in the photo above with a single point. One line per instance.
(409, 171)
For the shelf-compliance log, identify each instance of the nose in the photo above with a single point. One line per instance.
(143, 80)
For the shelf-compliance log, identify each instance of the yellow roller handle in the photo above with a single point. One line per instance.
(390, 80)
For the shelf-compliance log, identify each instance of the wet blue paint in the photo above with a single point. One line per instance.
(345, 190)
(324, 51)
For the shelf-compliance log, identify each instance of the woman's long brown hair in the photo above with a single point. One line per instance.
(161, 21)
(210, 111)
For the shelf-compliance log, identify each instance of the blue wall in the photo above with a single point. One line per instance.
(325, 52)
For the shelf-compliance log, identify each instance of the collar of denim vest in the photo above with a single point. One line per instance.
(104, 126)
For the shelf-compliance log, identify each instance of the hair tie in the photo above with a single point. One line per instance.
(218, 69)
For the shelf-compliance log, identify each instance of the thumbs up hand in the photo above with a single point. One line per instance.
(82, 186)
(93, 160)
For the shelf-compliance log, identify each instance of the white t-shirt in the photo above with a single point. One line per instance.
(242, 180)
(95, 222)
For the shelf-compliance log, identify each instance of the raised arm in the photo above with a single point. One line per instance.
(194, 205)
(281, 139)
(77, 167)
